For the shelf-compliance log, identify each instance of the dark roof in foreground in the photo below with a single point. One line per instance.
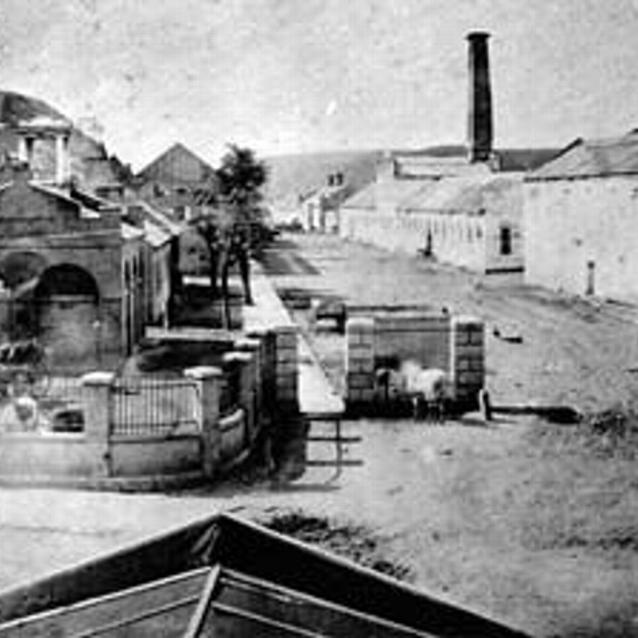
(593, 158)
(226, 577)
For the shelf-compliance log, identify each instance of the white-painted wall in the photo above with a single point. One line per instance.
(470, 239)
(568, 223)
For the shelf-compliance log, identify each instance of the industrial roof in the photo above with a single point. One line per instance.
(593, 158)
(383, 193)
(463, 194)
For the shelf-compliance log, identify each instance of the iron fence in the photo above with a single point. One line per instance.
(154, 406)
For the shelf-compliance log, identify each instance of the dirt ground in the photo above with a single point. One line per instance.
(526, 522)
(580, 353)
(518, 519)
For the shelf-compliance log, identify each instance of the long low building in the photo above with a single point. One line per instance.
(471, 220)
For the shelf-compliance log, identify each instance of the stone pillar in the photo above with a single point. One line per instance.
(253, 347)
(23, 151)
(360, 361)
(246, 364)
(97, 418)
(61, 158)
(208, 381)
(287, 369)
(268, 374)
(467, 360)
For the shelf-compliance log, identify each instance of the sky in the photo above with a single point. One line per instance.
(285, 76)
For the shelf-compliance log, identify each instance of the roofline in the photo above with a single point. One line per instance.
(556, 178)
(174, 146)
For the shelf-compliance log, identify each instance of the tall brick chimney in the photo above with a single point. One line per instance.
(479, 125)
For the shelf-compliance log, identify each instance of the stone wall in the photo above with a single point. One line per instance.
(467, 359)
(454, 344)
(269, 315)
(580, 235)
(143, 455)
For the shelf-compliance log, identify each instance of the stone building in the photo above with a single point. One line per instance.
(75, 274)
(581, 219)
(182, 185)
(178, 181)
(320, 208)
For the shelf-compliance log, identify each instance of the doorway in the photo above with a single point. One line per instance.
(591, 278)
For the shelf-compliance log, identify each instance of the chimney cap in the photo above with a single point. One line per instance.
(478, 35)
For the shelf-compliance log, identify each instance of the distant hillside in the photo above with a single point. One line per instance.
(292, 176)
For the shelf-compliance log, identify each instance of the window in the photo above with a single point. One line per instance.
(505, 240)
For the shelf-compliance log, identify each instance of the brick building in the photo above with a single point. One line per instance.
(75, 272)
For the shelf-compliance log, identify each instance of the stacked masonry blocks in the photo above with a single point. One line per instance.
(467, 346)
(360, 362)
(287, 365)
(454, 344)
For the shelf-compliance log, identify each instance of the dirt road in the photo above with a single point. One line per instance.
(581, 353)
(513, 520)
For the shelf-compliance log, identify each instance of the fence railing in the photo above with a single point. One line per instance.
(154, 406)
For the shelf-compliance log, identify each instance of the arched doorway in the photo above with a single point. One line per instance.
(19, 275)
(67, 300)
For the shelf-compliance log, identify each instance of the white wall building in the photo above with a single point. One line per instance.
(581, 220)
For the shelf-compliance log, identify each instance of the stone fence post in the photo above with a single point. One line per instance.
(246, 364)
(97, 418)
(360, 361)
(467, 360)
(287, 369)
(261, 337)
(208, 380)
(254, 348)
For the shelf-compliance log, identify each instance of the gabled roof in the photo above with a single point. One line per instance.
(88, 205)
(383, 194)
(593, 158)
(223, 576)
(465, 195)
(177, 165)
(155, 215)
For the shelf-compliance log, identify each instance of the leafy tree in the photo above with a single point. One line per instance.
(233, 205)
(241, 177)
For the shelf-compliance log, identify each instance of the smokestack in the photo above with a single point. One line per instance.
(479, 129)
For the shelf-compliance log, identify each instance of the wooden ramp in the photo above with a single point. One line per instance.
(323, 409)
